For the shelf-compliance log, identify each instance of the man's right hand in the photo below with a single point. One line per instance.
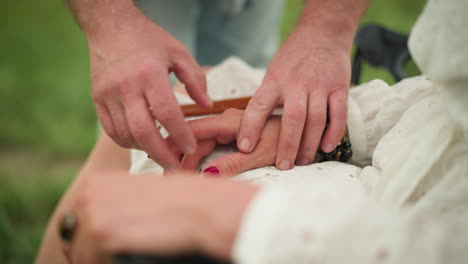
(131, 89)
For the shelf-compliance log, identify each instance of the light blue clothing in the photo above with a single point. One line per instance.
(215, 29)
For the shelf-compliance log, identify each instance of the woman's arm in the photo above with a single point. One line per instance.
(106, 156)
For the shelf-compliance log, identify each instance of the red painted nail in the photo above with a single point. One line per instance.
(211, 171)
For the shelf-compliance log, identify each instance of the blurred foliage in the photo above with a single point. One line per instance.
(47, 117)
(44, 80)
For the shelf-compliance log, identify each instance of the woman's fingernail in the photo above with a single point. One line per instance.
(211, 171)
(285, 165)
(328, 148)
(244, 144)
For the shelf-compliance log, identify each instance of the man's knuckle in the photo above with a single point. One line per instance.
(289, 145)
(112, 133)
(124, 134)
(100, 92)
(145, 73)
(317, 119)
(140, 132)
(296, 115)
(307, 152)
(123, 87)
(179, 53)
(340, 114)
(259, 105)
(166, 114)
(275, 76)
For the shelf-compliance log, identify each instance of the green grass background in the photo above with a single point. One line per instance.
(47, 117)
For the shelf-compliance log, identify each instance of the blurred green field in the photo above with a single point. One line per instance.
(47, 117)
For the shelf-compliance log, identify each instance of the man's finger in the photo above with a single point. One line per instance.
(120, 123)
(292, 124)
(337, 113)
(258, 110)
(205, 147)
(313, 129)
(146, 134)
(166, 110)
(191, 74)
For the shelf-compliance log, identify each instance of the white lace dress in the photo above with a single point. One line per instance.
(405, 199)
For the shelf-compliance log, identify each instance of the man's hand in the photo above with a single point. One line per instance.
(310, 77)
(131, 58)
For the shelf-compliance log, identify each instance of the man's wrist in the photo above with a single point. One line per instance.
(101, 18)
(331, 23)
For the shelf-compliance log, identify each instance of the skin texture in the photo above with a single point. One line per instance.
(130, 62)
(165, 216)
(309, 76)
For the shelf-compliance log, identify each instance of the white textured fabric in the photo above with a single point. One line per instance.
(413, 207)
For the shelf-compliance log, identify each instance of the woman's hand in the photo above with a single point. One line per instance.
(156, 216)
(223, 129)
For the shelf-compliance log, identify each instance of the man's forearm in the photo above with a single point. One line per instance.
(97, 17)
(334, 21)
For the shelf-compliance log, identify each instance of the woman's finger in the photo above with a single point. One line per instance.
(223, 127)
(233, 164)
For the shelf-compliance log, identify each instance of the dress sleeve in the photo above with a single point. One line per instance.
(330, 223)
(375, 107)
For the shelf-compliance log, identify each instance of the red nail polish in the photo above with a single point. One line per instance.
(211, 171)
